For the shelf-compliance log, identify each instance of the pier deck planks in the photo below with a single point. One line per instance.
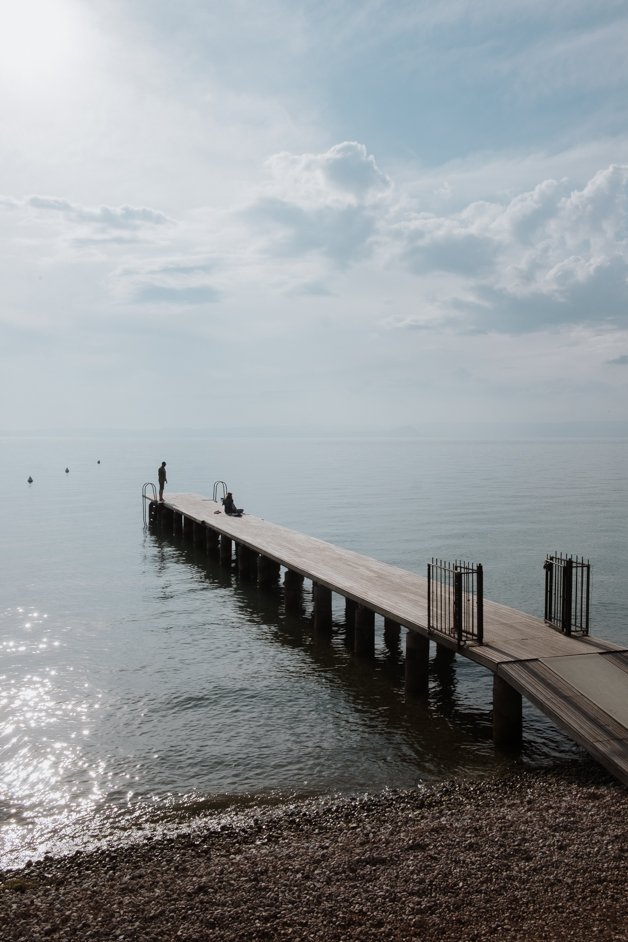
(535, 659)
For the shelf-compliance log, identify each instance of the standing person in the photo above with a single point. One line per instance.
(161, 475)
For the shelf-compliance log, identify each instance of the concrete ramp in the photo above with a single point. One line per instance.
(598, 678)
(586, 695)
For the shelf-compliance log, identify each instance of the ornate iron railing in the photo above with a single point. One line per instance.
(567, 593)
(455, 600)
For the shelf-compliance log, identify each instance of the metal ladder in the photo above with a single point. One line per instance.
(217, 486)
(147, 500)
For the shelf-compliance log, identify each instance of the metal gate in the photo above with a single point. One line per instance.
(567, 593)
(455, 600)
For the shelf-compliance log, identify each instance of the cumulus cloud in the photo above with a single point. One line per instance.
(445, 244)
(529, 212)
(554, 255)
(599, 297)
(341, 233)
(345, 173)
(322, 203)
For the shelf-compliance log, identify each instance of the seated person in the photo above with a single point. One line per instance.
(230, 507)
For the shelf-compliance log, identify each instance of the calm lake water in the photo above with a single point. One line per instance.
(142, 685)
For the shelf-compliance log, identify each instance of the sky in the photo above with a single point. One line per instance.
(289, 214)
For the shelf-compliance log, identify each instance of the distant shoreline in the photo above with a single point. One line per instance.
(489, 432)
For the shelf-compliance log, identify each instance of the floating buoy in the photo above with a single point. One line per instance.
(67, 470)
(30, 480)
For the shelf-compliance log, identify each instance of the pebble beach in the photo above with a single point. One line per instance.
(535, 855)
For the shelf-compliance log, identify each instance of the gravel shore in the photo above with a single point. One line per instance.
(533, 856)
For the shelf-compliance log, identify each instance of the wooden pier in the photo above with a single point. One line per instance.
(581, 684)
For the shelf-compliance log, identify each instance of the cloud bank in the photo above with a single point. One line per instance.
(543, 259)
(344, 211)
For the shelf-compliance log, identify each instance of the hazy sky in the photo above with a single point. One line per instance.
(274, 212)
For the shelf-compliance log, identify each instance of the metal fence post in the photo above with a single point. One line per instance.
(429, 596)
(567, 592)
(586, 624)
(479, 588)
(549, 589)
(458, 606)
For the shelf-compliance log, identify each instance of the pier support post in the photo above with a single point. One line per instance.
(293, 586)
(350, 610)
(177, 523)
(444, 655)
(392, 635)
(212, 541)
(165, 518)
(188, 528)
(247, 562)
(321, 597)
(507, 715)
(226, 550)
(267, 572)
(199, 534)
(364, 643)
(417, 663)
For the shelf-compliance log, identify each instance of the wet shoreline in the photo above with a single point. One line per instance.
(531, 855)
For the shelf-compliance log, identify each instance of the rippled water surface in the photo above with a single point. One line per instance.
(141, 684)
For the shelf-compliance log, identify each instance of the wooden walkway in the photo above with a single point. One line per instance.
(581, 684)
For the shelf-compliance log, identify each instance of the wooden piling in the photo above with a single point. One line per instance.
(417, 663)
(507, 715)
(247, 562)
(199, 533)
(364, 642)
(392, 635)
(267, 572)
(293, 590)
(321, 597)
(165, 515)
(226, 550)
(212, 541)
(444, 655)
(350, 610)
(188, 528)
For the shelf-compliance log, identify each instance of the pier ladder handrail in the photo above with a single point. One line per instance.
(148, 499)
(217, 486)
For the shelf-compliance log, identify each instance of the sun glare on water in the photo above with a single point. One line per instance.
(40, 42)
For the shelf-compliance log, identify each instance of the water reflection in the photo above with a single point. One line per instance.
(199, 690)
(209, 687)
(43, 731)
(443, 735)
(449, 734)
